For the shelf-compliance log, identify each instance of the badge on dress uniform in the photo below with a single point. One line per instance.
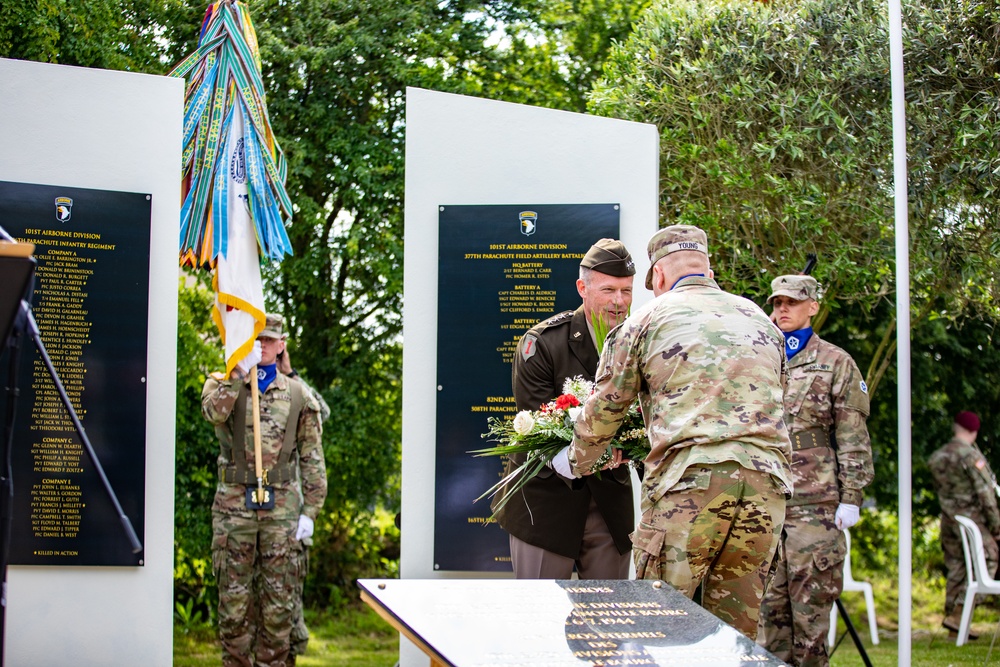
(529, 344)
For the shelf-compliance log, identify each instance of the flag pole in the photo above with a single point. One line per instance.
(903, 384)
(257, 464)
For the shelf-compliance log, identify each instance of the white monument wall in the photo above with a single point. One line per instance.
(465, 150)
(119, 131)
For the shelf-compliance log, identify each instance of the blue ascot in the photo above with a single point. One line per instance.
(796, 340)
(266, 375)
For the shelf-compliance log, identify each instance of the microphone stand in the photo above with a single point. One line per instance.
(24, 323)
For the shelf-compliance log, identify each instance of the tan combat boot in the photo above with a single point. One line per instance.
(953, 621)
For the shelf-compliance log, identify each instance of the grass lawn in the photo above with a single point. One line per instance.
(356, 638)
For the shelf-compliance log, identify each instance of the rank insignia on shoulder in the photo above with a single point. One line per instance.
(529, 344)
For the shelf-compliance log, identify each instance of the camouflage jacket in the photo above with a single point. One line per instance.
(217, 402)
(827, 394)
(964, 483)
(709, 370)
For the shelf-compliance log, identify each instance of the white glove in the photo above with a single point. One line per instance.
(305, 528)
(847, 516)
(560, 463)
(252, 359)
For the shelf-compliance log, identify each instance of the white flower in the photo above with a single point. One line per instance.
(574, 412)
(578, 387)
(523, 422)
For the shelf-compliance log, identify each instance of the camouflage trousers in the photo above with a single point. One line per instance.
(299, 639)
(255, 619)
(954, 561)
(718, 526)
(807, 579)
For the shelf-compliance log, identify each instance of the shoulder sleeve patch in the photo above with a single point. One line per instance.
(528, 346)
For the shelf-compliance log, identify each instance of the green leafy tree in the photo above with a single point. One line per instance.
(775, 136)
(112, 34)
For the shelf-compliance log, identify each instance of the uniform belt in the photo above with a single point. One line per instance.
(809, 439)
(228, 474)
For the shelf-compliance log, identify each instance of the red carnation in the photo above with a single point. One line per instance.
(567, 401)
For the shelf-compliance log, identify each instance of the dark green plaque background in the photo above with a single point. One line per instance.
(114, 359)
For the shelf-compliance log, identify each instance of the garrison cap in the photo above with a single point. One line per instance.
(797, 287)
(273, 326)
(609, 257)
(673, 239)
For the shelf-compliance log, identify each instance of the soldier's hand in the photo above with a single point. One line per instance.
(284, 363)
(616, 460)
(560, 463)
(305, 528)
(847, 516)
(248, 362)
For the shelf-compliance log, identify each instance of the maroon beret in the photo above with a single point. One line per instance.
(967, 420)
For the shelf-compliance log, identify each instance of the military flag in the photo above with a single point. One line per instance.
(233, 174)
(233, 187)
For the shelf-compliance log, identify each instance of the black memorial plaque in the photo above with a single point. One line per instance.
(571, 623)
(501, 269)
(91, 305)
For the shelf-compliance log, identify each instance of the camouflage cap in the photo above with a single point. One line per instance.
(674, 239)
(796, 287)
(273, 326)
(609, 257)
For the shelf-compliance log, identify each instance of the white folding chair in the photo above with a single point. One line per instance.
(981, 581)
(851, 585)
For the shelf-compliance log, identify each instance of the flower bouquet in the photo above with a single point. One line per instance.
(542, 433)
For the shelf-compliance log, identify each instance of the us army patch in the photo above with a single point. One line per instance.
(864, 386)
(528, 346)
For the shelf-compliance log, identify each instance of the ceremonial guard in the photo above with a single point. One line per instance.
(826, 408)
(259, 535)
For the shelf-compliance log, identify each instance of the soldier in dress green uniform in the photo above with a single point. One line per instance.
(553, 526)
(826, 408)
(708, 368)
(965, 485)
(261, 537)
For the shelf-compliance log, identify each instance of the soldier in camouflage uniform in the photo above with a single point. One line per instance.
(708, 368)
(965, 485)
(265, 543)
(826, 405)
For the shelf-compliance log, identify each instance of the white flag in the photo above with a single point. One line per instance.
(239, 306)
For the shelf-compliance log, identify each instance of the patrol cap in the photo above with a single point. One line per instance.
(673, 239)
(273, 326)
(797, 287)
(967, 420)
(609, 257)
